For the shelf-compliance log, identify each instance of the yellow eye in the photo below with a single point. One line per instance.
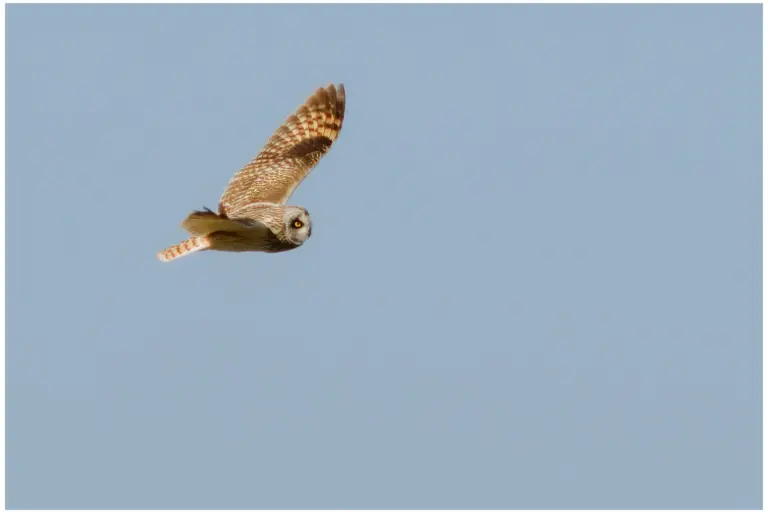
(297, 224)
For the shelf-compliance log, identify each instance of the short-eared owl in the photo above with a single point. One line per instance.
(252, 213)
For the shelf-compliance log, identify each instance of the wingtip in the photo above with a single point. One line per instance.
(339, 97)
(332, 90)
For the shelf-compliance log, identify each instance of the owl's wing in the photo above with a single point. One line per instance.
(290, 154)
(203, 222)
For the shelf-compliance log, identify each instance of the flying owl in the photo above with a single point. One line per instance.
(252, 214)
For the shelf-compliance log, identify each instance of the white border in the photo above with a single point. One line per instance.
(3, 210)
(382, 2)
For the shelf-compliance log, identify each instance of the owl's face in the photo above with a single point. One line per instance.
(298, 225)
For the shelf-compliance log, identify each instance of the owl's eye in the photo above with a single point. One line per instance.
(297, 224)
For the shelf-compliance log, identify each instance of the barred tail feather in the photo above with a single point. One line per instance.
(190, 245)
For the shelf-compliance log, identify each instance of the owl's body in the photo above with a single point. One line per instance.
(252, 213)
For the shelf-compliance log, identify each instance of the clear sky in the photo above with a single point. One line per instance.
(533, 279)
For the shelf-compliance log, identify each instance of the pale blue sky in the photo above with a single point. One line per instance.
(533, 279)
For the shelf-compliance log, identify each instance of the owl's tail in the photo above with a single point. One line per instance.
(190, 245)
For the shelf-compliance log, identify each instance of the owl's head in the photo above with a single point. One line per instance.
(298, 225)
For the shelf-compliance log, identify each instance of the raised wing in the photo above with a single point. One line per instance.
(290, 154)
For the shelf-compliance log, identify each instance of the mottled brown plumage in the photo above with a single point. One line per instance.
(252, 214)
(290, 154)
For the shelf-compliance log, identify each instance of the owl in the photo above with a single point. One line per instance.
(252, 214)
